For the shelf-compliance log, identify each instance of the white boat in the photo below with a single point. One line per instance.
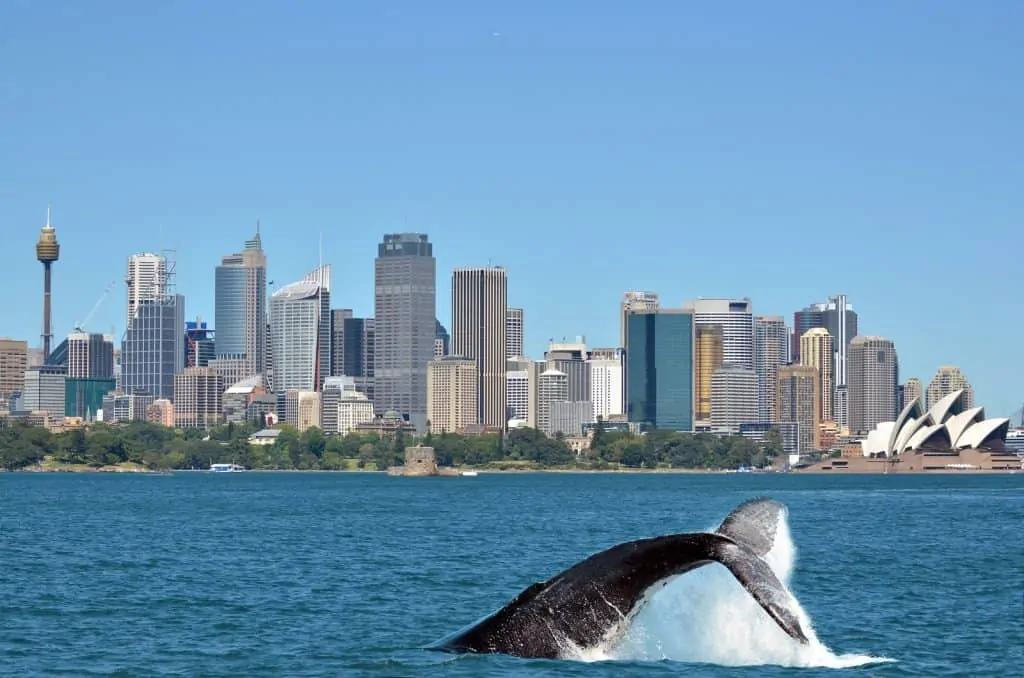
(469, 473)
(226, 468)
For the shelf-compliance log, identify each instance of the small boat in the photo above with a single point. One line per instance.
(469, 473)
(226, 468)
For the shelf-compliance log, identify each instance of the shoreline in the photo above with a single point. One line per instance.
(457, 471)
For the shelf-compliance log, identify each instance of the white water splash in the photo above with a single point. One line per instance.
(707, 616)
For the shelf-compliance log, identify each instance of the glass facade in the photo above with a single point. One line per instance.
(230, 310)
(659, 369)
(84, 397)
(154, 348)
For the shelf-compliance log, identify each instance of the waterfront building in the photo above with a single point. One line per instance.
(13, 363)
(200, 348)
(453, 385)
(816, 350)
(442, 341)
(161, 411)
(635, 301)
(307, 410)
(83, 397)
(660, 368)
(568, 417)
(771, 352)
(479, 301)
(911, 389)
(354, 409)
(198, 398)
(838, 317)
(605, 365)
(239, 396)
(352, 345)
(153, 350)
(707, 358)
(514, 332)
(552, 387)
(517, 391)
(736, 318)
(733, 397)
(947, 379)
(43, 390)
(335, 388)
(147, 279)
(240, 307)
(872, 377)
(90, 356)
(405, 325)
(295, 327)
(798, 401)
(571, 357)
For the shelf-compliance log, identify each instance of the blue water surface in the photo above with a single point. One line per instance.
(334, 574)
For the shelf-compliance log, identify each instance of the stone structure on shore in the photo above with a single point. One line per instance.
(420, 461)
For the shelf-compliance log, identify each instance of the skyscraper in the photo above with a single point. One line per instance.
(146, 280)
(873, 374)
(479, 300)
(452, 394)
(322, 277)
(90, 356)
(736, 318)
(13, 363)
(153, 350)
(606, 381)
(799, 401)
(707, 359)
(816, 351)
(514, 332)
(912, 389)
(947, 379)
(771, 349)
(635, 301)
(240, 306)
(733, 397)
(659, 368)
(295, 335)
(442, 341)
(405, 296)
(838, 317)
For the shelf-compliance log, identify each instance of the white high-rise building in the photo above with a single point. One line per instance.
(514, 332)
(517, 394)
(736, 318)
(733, 397)
(146, 280)
(294, 332)
(552, 387)
(606, 382)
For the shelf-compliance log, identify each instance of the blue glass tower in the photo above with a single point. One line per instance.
(659, 368)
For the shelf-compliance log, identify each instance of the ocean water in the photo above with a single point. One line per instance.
(320, 574)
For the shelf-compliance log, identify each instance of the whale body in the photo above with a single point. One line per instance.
(593, 601)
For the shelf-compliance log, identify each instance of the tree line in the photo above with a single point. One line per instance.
(153, 446)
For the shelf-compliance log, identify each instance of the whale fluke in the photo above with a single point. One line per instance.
(593, 601)
(754, 524)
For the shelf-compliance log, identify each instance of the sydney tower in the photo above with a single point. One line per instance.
(47, 251)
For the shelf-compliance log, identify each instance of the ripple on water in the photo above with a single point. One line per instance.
(351, 575)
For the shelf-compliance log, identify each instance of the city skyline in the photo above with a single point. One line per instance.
(158, 263)
(716, 154)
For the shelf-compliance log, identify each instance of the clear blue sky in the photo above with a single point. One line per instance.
(783, 151)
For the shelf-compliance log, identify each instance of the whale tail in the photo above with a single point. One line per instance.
(749, 533)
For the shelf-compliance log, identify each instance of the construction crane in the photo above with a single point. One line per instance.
(80, 325)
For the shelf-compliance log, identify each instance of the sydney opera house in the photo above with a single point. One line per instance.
(946, 428)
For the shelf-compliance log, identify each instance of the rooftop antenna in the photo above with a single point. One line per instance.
(321, 264)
